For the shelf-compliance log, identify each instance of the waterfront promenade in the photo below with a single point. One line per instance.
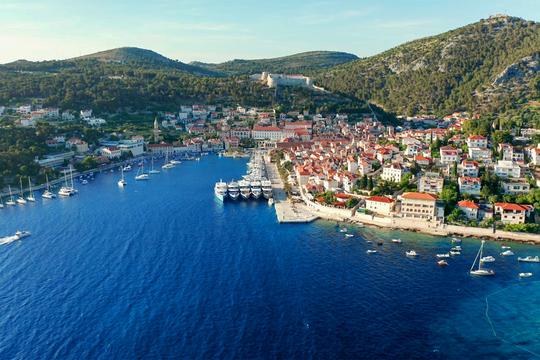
(286, 210)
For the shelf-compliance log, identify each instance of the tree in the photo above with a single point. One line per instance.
(455, 215)
(370, 183)
(352, 202)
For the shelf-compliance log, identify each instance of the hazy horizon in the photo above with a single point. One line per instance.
(209, 31)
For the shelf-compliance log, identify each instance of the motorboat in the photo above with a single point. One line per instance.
(220, 189)
(396, 241)
(456, 248)
(456, 240)
(486, 259)
(343, 230)
(454, 253)
(371, 251)
(443, 256)
(525, 274)
(245, 190)
(504, 247)
(531, 259)
(349, 235)
(127, 168)
(22, 234)
(411, 253)
(507, 253)
(480, 271)
(442, 263)
(234, 190)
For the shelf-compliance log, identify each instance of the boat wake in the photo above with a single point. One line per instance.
(8, 239)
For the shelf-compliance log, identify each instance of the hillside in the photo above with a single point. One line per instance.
(130, 56)
(488, 66)
(292, 64)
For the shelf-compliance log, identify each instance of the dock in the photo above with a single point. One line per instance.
(286, 210)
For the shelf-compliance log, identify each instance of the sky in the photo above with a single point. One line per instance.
(217, 30)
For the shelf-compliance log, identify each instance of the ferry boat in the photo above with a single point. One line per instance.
(220, 189)
(67, 190)
(245, 190)
(48, 194)
(234, 190)
(256, 189)
(480, 271)
(10, 202)
(531, 259)
(266, 188)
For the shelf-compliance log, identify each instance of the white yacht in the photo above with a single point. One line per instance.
(22, 234)
(525, 275)
(220, 189)
(266, 188)
(411, 253)
(245, 190)
(30, 196)
(10, 202)
(168, 164)
(48, 194)
(153, 171)
(122, 182)
(507, 253)
(256, 189)
(175, 162)
(531, 259)
(21, 200)
(371, 251)
(480, 271)
(443, 256)
(141, 175)
(396, 241)
(234, 190)
(68, 190)
(487, 259)
(127, 168)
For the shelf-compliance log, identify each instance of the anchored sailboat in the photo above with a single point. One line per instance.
(30, 196)
(153, 171)
(10, 202)
(67, 190)
(48, 194)
(122, 182)
(21, 200)
(141, 175)
(480, 271)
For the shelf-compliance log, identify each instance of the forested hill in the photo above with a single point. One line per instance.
(490, 65)
(292, 64)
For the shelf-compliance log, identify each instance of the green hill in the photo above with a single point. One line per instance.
(292, 64)
(489, 65)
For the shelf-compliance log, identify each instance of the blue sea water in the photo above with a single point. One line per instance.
(162, 269)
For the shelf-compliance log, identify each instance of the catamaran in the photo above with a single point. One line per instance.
(67, 190)
(48, 194)
(30, 196)
(10, 202)
(141, 175)
(480, 271)
(153, 171)
(21, 200)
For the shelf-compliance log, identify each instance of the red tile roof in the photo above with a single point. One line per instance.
(468, 204)
(419, 196)
(382, 199)
(510, 207)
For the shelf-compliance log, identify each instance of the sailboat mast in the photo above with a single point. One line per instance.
(71, 176)
(476, 258)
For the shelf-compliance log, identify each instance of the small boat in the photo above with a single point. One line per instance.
(371, 251)
(122, 182)
(10, 202)
(153, 171)
(271, 201)
(22, 234)
(48, 194)
(442, 263)
(531, 259)
(369, 241)
(141, 175)
(456, 248)
(525, 275)
(411, 253)
(175, 162)
(443, 256)
(396, 241)
(454, 253)
(456, 240)
(344, 230)
(349, 235)
(21, 200)
(84, 182)
(127, 168)
(504, 247)
(30, 196)
(486, 259)
(507, 253)
(480, 271)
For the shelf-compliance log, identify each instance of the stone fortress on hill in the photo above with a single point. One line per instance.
(275, 80)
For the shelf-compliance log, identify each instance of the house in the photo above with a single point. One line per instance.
(469, 185)
(79, 145)
(477, 141)
(241, 132)
(111, 152)
(516, 186)
(86, 114)
(480, 154)
(511, 213)
(380, 205)
(422, 160)
(392, 172)
(160, 149)
(364, 167)
(449, 155)
(422, 206)
(468, 168)
(267, 133)
(507, 169)
(469, 208)
(430, 183)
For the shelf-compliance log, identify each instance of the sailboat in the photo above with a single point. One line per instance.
(122, 182)
(30, 196)
(168, 164)
(153, 171)
(141, 175)
(21, 200)
(67, 190)
(479, 271)
(10, 202)
(48, 194)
